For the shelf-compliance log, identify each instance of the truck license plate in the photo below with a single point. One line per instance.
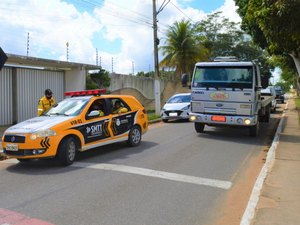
(218, 118)
(12, 147)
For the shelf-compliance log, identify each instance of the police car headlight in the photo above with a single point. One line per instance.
(42, 134)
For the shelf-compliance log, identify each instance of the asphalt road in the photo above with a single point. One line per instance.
(175, 176)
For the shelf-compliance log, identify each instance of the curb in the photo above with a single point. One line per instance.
(154, 121)
(256, 191)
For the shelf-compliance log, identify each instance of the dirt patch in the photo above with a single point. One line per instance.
(236, 200)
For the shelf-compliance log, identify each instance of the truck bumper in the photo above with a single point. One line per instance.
(226, 120)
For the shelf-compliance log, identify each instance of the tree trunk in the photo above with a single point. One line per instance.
(296, 58)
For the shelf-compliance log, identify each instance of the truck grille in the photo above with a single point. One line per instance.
(220, 111)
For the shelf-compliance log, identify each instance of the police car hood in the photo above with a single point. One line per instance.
(37, 123)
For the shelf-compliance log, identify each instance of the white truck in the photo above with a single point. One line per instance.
(227, 92)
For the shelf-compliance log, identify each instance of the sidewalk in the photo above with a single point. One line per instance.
(279, 202)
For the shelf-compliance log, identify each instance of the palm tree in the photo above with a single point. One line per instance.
(181, 50)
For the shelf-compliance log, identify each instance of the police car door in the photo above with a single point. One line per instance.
(96, 126)
(121, 123)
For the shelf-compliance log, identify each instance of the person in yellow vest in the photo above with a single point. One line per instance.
(98, 107)
(46, 102)
(118, 108)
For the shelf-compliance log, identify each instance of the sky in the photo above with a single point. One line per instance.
(115, 34)
(118, 32)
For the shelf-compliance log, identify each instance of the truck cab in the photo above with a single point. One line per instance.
(226, 92)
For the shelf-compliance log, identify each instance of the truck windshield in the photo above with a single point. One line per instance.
(223, 77)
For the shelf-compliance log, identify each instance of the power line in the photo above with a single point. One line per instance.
(181, 11)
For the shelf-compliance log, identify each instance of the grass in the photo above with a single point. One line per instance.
(153, 117)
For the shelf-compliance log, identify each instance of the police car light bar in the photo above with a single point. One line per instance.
(86, 92)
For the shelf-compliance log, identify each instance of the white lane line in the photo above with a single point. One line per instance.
(148, 172)
(10, 161)
(158, 174)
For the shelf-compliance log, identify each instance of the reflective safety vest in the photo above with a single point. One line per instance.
(120, 110)
(45, 104)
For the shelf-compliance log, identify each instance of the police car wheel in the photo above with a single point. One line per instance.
(135, 136)
(67, 151)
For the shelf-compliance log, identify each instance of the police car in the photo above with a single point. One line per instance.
(82, 121)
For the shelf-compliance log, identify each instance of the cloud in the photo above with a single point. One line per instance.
(51, 24)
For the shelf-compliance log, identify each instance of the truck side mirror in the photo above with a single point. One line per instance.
(264, 81)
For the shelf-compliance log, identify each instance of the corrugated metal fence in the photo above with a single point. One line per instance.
(21, 89)
(6, 96)
(31, 84)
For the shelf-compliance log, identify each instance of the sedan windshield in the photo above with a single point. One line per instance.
(226, 77)
(68, 107)
(180, 99)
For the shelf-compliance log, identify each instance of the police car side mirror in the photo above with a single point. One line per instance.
(94, 113)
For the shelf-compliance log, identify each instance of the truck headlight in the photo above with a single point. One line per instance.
(42, 133)
(193, 118)
(247, 121)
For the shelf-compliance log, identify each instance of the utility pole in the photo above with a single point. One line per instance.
(97, 56)
(27, 44)
(132, 68)
(67, 44)
(156, 74)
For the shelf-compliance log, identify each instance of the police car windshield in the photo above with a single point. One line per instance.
(68, 107)
(226, 77)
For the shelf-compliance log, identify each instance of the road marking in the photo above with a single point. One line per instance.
(150, 173)
(158, 174)
(8, 217)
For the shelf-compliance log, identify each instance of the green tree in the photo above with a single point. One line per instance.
(99, 79)
(273, 24)
(289, 74)
(225, 38)
(181, 50)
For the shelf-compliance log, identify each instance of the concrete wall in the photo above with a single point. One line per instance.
(142, 88)
(75, 80)
(144, 85)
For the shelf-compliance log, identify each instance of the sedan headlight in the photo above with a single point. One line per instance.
(186, 108)
(42, 134)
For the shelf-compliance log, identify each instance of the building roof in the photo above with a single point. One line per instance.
(28, 61)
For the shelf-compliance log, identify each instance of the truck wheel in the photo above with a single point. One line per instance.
(254, 130)
(199, 127)
(266, 117)
(135, 136)
(67, 151)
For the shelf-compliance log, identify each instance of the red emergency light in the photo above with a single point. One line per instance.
(86, 92)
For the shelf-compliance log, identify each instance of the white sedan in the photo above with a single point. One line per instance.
(177, 107)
